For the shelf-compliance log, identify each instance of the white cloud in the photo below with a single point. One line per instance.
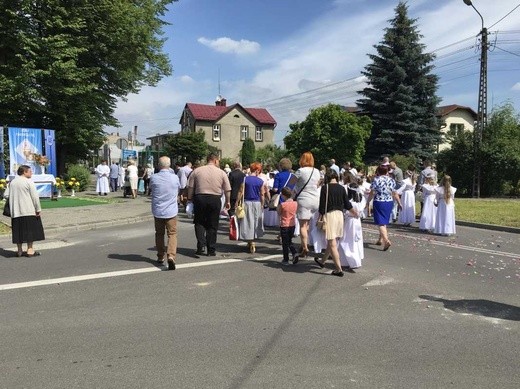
(332, 48)
(228, 45)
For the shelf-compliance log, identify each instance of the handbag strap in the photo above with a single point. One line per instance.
(327, 199)
(301, 190)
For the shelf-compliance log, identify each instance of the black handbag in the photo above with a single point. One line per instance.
(7, 209)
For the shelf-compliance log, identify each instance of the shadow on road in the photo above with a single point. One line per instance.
(135, 258)
(479, 307)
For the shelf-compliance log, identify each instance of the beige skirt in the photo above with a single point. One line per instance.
(334, 225)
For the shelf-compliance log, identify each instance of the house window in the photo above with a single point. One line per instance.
(216, 132)
(259, 134)
(456, 128)
(244, 132)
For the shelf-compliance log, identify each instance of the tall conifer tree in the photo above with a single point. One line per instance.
(401, 94)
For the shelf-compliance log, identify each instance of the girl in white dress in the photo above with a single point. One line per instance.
(350, 246)
(445, 194)
(407, 192)
(429, 212)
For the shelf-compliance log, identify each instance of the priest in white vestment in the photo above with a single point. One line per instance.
(102, 172)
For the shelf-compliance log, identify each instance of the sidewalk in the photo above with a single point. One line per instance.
(127, 211)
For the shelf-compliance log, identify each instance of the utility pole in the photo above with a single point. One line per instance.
(482, 106)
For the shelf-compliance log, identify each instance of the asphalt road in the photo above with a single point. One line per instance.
(95, 312)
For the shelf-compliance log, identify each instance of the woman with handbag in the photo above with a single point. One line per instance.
(333, 200)
(307, 196)
(253, 190)
(25, 209)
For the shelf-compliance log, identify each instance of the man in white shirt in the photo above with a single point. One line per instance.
(183, 174)
(102, 172)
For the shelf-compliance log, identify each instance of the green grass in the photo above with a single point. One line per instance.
(502, 212)
(68, 202)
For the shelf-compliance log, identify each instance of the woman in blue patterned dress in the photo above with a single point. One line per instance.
(382, 190)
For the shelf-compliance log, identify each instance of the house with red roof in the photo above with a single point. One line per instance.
(226, 127)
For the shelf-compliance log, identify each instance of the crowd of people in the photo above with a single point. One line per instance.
(323, 207)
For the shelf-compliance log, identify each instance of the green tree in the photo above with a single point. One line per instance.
(401, 94)
(65, 63)
(248, 152)
(330, 132)
(270, 155)
(457, 162)
(187, 146)
(500, 153)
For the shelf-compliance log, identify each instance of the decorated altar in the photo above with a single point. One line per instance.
(43, 183)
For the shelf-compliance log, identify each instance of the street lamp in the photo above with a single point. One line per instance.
(482, 105)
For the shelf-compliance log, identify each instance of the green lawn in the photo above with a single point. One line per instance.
(68, 202)
(503, 212)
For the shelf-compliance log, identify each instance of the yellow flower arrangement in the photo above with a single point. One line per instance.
(41, 160)
(73, 183)
(3, 184)
(60, 184)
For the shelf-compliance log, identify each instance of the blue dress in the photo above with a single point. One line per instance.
(383, 186)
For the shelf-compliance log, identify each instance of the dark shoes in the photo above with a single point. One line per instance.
(295, 259)
(199, 252)
(35, 254)
(321, 265)
(337, 273)
(212, 254)
(171, 264)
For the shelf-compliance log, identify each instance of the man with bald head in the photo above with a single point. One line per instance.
(164, 186)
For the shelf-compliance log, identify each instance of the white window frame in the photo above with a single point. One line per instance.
(244, 132)
(216, 134)
(259, 134)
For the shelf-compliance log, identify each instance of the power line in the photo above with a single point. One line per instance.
(506, 15)
(510, 52)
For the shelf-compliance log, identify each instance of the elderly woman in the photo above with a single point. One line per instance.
(382, 190)
(307, 195)
(25, 208)
(253, 191)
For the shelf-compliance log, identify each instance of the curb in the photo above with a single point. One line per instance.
(492, 227)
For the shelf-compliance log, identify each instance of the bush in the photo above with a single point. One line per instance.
(80, 173)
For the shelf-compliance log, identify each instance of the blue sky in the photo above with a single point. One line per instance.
(292, 55)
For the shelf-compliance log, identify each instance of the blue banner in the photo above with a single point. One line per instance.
(128, 154)
(24, 143)
(50, 151)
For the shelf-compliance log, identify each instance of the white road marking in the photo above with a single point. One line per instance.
(63, 280)
(449, 244)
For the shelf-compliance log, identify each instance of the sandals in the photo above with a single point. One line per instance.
(387, 246)
(321, 265)
(337, 273)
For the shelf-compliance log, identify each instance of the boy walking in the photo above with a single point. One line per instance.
(287, 212)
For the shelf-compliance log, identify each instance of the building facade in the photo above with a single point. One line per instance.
(455, 119)
(226, 127)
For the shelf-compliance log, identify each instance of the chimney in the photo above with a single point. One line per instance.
(220, 101)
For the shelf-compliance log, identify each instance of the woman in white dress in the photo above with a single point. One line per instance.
(407, 192)
(307, 197)
(133, 177)
(445, 223)
(429, 212)
(350, 248)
